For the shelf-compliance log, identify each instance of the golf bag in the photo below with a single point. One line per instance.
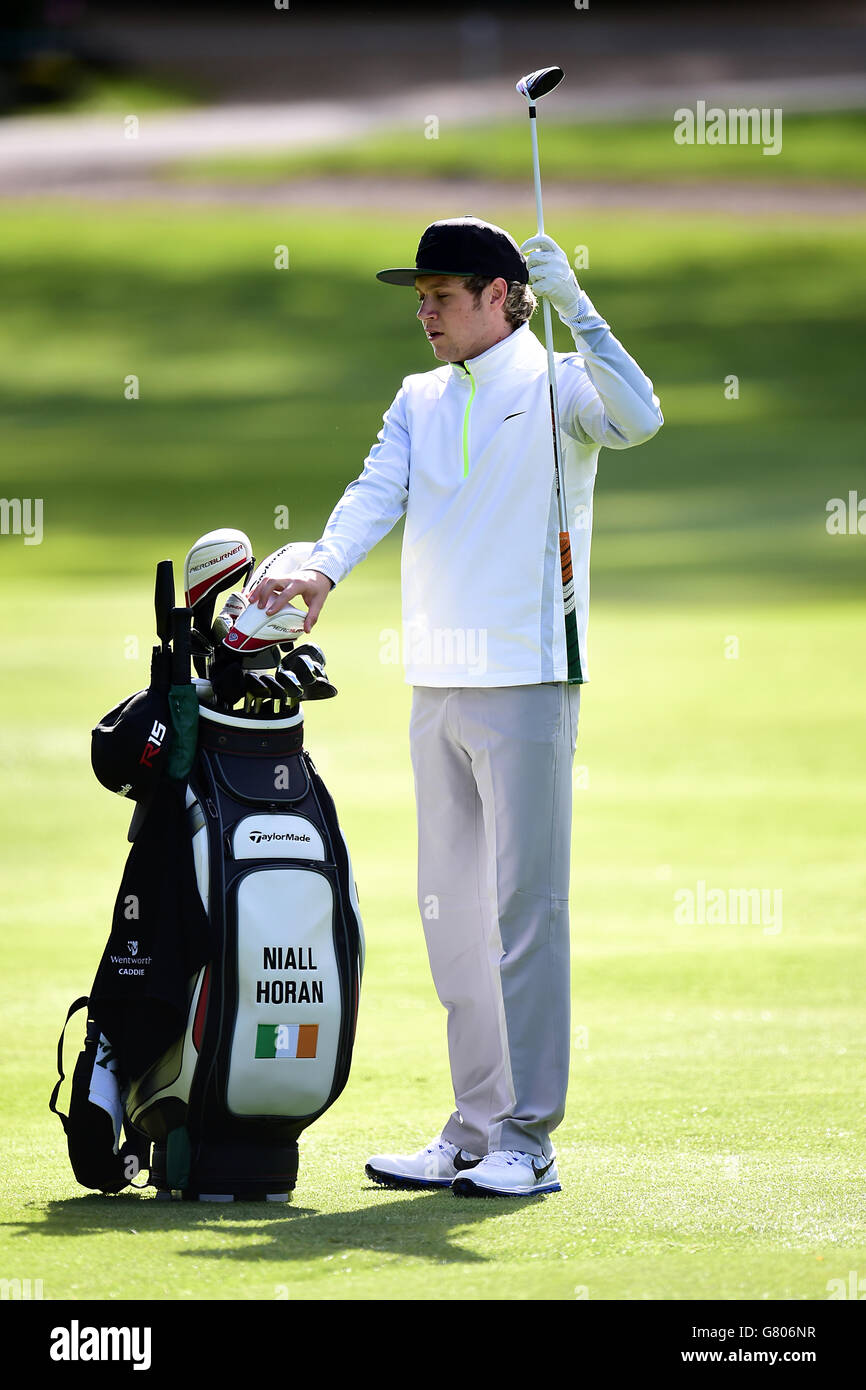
(271, 1021)
(222, 1017)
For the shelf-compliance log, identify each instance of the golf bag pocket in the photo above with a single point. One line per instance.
(158, 1100)
(261, 776)
(285, 1047)
(97, 1117)
(277, 837)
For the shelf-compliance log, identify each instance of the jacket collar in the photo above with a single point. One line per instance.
(520, 349)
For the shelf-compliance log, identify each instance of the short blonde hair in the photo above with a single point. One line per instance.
(520, 303)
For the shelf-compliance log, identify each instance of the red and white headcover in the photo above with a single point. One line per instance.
(255, 629)
(292, 556)
(214, 562)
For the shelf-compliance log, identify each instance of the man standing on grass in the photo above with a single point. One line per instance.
(466, 453)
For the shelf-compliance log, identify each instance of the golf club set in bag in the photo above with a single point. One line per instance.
(222, 1017)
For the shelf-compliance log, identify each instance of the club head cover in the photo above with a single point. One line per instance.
(255, 629)
(292, 556)
(227, 617)
(217, 561)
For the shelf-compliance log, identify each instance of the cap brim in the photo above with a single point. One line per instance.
(409, 274)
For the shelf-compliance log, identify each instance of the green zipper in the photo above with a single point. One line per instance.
(466, 424)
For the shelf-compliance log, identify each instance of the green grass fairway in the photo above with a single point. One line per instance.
(714, 1142)
(816, 147)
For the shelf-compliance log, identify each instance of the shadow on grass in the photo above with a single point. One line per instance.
(420, 1225)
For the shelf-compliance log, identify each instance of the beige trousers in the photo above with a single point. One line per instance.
(493, 769)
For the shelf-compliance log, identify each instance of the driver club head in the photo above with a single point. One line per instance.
(537, 84)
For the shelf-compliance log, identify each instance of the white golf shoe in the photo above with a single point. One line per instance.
(508, 1174)
(436, 1166)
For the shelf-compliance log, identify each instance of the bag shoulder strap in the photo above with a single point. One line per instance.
(52, 1104)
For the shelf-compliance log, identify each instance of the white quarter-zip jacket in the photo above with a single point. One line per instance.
(466, 452)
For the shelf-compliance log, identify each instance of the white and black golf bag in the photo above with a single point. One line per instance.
(222, 1017)
(271, 1021)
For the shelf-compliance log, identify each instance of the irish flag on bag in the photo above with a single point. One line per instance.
(287, 1039)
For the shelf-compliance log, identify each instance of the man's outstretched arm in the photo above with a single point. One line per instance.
(610, 401)
(366, 512)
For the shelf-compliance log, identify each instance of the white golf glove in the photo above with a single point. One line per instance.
(551, 277)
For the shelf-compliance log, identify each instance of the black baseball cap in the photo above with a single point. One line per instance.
(129, 746)
(463, 246)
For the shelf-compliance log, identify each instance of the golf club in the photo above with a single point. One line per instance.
(306, 665)
(256, 629)
(215, 562)
(291, 556)
(534, 86)
(163, 603)
(227, 617)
